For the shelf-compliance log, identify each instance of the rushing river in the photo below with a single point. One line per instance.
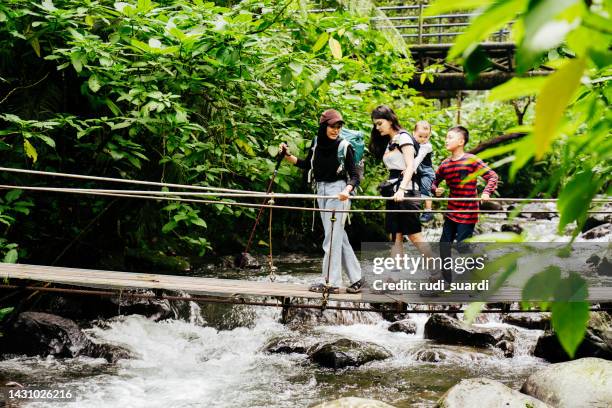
(189, 363)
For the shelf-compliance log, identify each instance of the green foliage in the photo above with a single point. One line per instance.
(11, 206)
(571, 115)
(3, 313)
(184, 92)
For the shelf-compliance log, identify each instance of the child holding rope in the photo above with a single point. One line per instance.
(460, 171)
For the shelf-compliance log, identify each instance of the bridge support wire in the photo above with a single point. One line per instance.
(241, 301)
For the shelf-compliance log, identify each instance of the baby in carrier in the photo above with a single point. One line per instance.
(422, 133)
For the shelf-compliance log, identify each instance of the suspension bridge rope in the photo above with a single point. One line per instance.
(226, 192)
(285, 207)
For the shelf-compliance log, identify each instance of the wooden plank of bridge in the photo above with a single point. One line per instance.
(193, 285)
(227, 288)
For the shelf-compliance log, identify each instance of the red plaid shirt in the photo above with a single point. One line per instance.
(454, 172)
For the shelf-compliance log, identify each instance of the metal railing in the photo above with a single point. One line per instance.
(416, 28)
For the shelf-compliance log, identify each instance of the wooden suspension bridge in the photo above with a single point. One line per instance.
(429, 39)
(214, 290)
(20, 277)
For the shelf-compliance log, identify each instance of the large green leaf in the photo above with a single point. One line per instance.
(94, 83)
(472, 311)
(581, 189)
(573, 288)
(517, 88)
(11, 256)
(569, 320)
(493, 18)
(542, 31)
(542, 286)
(335, 48)
(321, 41)
(5, 311)
(30, 150)
(552, 102)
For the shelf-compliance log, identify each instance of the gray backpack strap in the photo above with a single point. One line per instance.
(342, 149)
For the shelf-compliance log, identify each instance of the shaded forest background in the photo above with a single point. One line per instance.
(199, 93)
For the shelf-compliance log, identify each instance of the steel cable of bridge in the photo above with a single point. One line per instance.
(126, 194)
(116, 180)
(227, 192)
(122, 294)
(257, 194)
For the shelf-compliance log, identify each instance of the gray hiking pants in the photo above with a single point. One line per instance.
(341, 256)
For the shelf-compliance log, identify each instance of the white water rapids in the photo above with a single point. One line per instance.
(189, 364)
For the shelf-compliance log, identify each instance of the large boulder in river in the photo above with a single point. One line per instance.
(43, 334)
(451, 354)
(405, 326)
(581, 383)
(353, 402)
(597, 341)
(604, 268)
(534, 321)
(517, 229)
(143, 302)
(595, 220)
(448, 330)
(287, 345)
(598, 232)
(344, 353)
(485, 393)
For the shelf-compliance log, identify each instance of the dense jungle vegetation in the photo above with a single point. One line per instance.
(201, 93)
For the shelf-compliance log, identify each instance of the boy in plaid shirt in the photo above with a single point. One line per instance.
(455, 170)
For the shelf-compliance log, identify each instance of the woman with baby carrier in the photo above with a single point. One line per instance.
(338, 178)
(397, 149)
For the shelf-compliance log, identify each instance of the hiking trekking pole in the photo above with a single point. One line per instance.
(241, 260)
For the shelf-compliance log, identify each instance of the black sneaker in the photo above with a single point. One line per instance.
(356, 287)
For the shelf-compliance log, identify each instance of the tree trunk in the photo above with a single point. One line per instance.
(495, 141)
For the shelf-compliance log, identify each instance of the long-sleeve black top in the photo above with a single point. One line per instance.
(325, 165)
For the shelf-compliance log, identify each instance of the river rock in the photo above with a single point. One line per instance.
(246, 261)
(528, 208)
(597, 341)
(405, 326)
(43, 334)
(286, 345)
(447, 330)
(156, 309)
(604, 268)
(455, 354)
(533, 321)
(353, 402)
(83, 309)
(586, 382)
(491, 205)
(486, 393)
(344, 353)
(517, 229)
(593, 260)
(298, 317)
(598, 232)
(595, 220)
